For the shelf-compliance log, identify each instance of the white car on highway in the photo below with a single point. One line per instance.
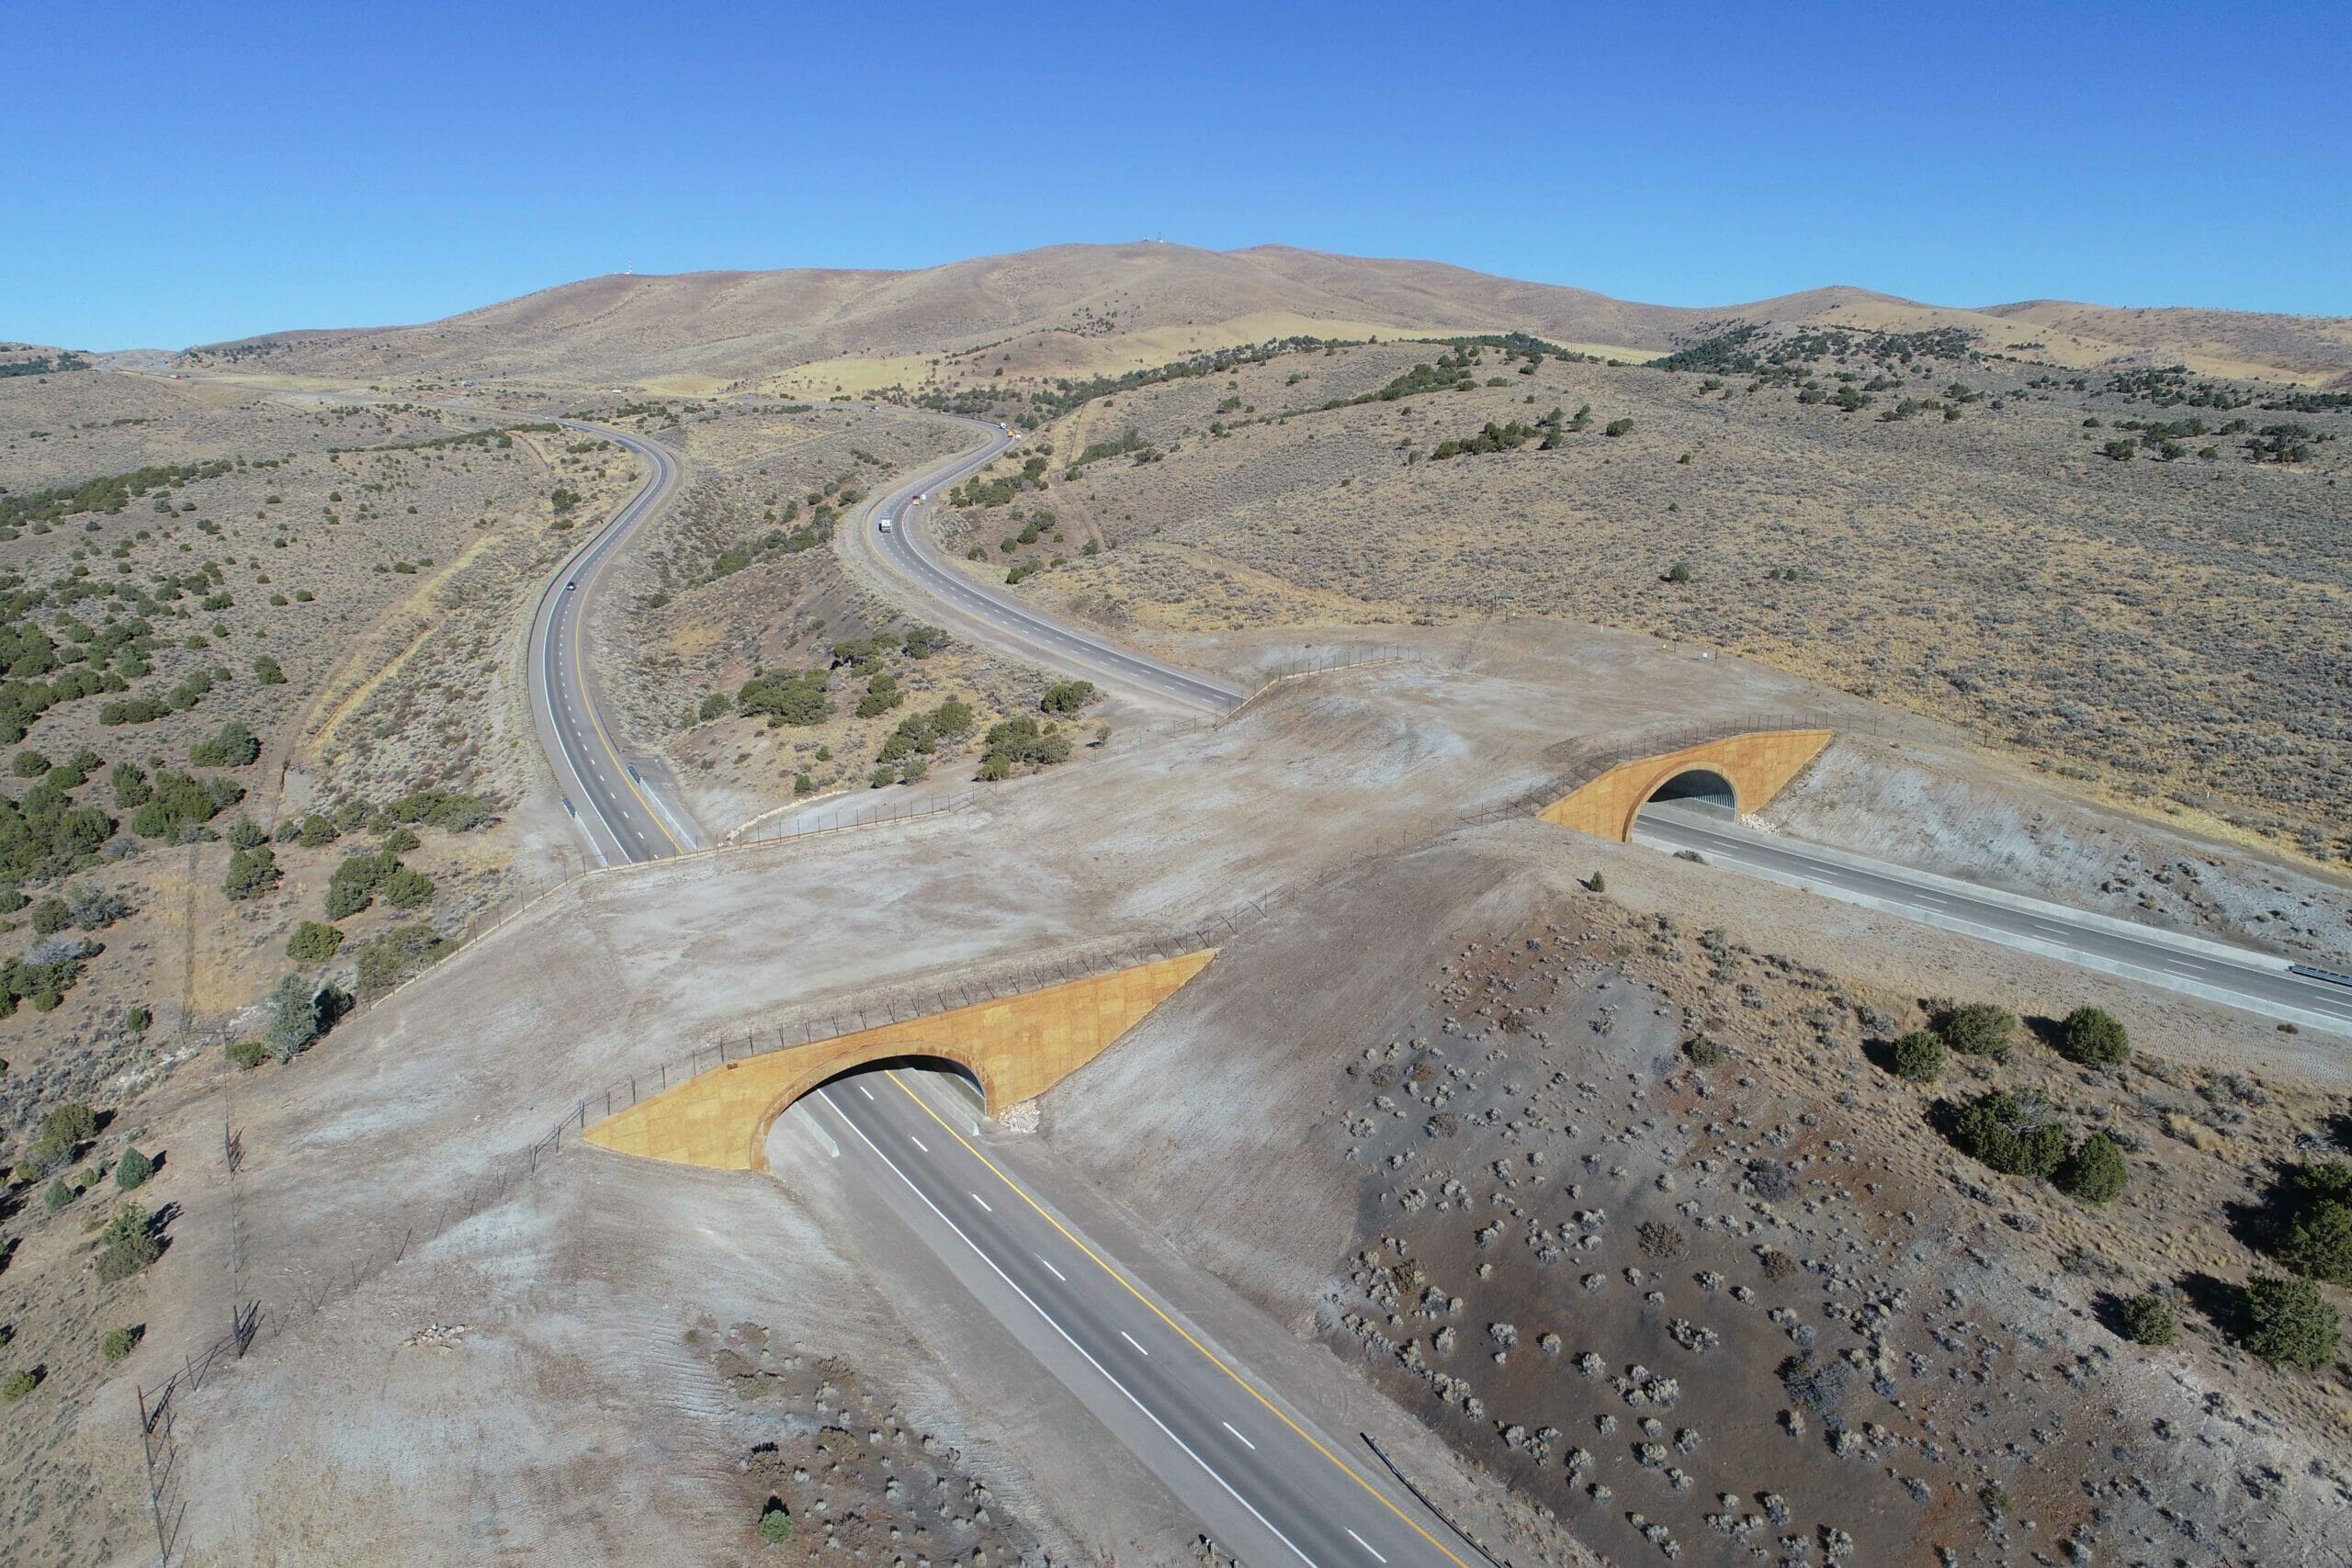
(885, 524)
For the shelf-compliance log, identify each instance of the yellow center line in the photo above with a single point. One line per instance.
(1239, 1380)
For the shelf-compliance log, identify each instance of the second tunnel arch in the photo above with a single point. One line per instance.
(1752, 769)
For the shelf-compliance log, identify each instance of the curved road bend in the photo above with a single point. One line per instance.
(623, 820)
(1233, 1454)
(987, 613)
(619, 817)
(2242, 978)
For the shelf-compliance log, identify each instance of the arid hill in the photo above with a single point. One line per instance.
(1084, 308)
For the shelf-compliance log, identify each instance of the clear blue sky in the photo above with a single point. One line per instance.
(186, 172)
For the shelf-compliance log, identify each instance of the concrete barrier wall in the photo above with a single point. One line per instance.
(1758, 767)
(1017, 1046)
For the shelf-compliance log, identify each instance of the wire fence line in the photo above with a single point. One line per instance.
(1330, 659)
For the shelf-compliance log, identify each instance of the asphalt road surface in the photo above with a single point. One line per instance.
(622, 820)
(1245, 1466)
(994, 616)
(2243, 978)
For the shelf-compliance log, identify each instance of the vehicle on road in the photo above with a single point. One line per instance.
(885, 524)
(572, 586)
(2309, 973)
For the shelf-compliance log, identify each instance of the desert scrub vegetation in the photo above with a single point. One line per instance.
(1880, 558)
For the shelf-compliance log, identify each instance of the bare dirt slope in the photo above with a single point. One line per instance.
(732, 327)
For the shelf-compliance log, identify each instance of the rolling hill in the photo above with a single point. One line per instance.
(1087, 308)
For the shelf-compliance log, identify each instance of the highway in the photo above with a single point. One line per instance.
(625, 821)
(992, 614)
(621, 819)
(2238, 978)
(1245, 1465)
(1259, 1478)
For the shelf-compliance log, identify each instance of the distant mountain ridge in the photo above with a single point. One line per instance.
(1097, 302)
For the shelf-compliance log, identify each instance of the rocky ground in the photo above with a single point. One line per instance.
(1634, 1214)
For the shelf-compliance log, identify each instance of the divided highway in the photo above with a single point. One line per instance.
(1204, 1427)
(625, 821)
(2238, 978)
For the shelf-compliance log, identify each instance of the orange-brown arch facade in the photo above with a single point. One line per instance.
(1017, 1046)
(1758, 766)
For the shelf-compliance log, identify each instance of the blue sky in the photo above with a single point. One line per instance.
(186, 172)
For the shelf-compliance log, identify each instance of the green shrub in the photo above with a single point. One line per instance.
(795, 699)
(233, 747)
(446, 809)
(244, 834)
(58, 1195)
(121, 1342)
(2093, 1172)
(244, 1054)
(1979, 1029)
(2148, 1320)
(2093, 1037)
(265, 669)
(1067, 696)
(138, 1020)
(882, 694)
(180, 803)
(292, 1017)
(2015, 1133)
(1597, 882)
(953, 719)
(313, 942)
(72, 1124)
(408, 889)
(775, 1525)
(316, 832)
(132, 710)
(353, 886)
(49, 916)
(1019, 742)
(404, 951)
(2316, 1241)
(1919, 1057)
(17, 1384)
(2288, 1322)
(252, 873)
(130, 788)
(128, 1244)
(718, 705)
(28, 765)
(398, 841)
(132, 1169)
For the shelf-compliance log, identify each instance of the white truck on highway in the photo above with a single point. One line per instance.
(884, 525)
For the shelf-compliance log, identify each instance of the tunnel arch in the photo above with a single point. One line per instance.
(1698, 786)
(880, 1056)
(1751, 768)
